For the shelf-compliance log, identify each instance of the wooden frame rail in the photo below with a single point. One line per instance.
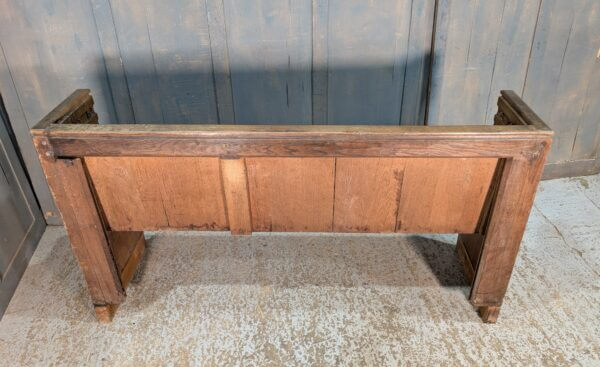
(112, 182)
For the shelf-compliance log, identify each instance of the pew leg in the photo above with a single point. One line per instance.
(489, 314)
(105, 313)
(492, 251)
(107, 259)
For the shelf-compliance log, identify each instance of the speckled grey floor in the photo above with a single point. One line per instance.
(213, 299)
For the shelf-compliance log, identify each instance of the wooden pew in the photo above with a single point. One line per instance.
(112, 182)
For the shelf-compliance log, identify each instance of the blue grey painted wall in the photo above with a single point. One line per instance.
(303, 61)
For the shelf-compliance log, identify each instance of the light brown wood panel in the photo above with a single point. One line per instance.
(148, 193)
(291, 194)
(444, 195)
(122, 245)
(235, 185)
(367, 193)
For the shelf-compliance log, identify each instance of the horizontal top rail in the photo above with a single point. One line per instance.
(72, 130)
(66, 120)
(292, 131)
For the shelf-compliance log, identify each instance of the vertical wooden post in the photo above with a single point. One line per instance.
(71, 191)
(235, 186)
(108, 259)
(504, 230)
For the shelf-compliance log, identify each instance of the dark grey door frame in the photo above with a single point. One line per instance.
(21, 221)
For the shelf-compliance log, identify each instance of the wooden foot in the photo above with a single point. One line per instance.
(105, 313)
(489, 314)
(127, 249)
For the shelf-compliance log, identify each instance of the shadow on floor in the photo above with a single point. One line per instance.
(279, 261)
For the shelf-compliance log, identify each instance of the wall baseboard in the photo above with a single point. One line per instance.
(584, 167)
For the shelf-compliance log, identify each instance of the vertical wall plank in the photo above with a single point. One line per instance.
(111, 53)
(51, 49)
(561, 70)
(587, 141)
(168, 50)
(466, 42)
(367, 44)
(418, 61)
(320, 24)
(48, 49)
(220, 60)
(512, 52)
(133, 35)
(180, 42)
(270, 57)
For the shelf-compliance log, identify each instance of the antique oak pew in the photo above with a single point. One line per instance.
(112, 182)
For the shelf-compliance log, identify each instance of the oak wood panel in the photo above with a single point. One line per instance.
(135, 257)
(441, 195)
(291, 194)
(146, 193)
(235, 185)
(367, 194)
(122, 245)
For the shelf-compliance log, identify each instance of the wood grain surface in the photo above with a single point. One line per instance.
(159, 193)
(82, 219)
(444, 195)
(367, 194)
(291, 194)
(235, 186)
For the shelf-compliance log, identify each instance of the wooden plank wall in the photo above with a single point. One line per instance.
(548, 51)
(304, 61)
(563, 82)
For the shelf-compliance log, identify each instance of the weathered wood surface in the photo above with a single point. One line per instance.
(160, 192)
(310, 61)
(269, 45)
(237, 197)
(444, 195)
(367, 194)
(563, 81)
(547, 51)
(415, 195)
(478, 181)
(367, 48)
(291, 194)
(166, 53)
(480, 48)
(83, 222)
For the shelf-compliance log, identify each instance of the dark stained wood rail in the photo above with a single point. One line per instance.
(112, 182)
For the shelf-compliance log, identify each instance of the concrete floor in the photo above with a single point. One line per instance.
(210, 299)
